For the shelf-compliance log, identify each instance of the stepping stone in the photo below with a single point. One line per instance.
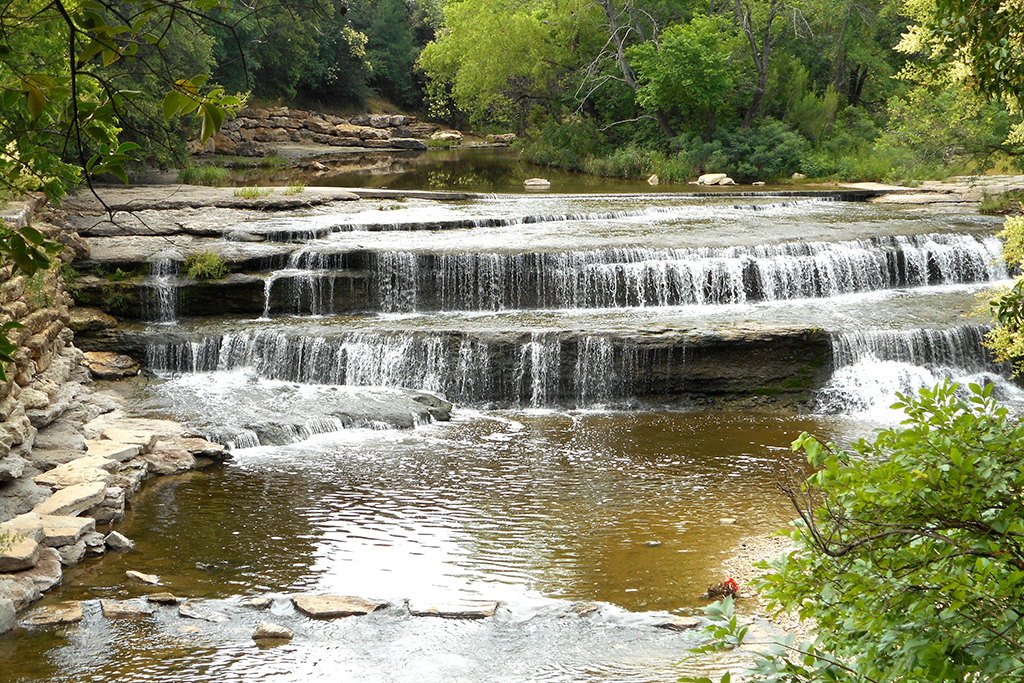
(680, 624)
(115, 450)
(124, 609)
(84, 470)
(28, 525)
(466, 609)
(267, 631)
(164, 599)
(115, 540)
(55, 615)
(61, 530)
(73, 500)
(191, 611)
(332, 607)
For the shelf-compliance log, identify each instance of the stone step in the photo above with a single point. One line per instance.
(55, 615)
(73, 500)
(115, 450)
(334, 606)
(139, 437)
(464, 609)
(28, 525)
(86, 470)
(62, 530)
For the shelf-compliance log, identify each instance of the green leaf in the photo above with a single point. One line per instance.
(171, 105)
(36, 101)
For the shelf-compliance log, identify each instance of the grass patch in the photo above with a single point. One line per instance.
(272, 161)
(250, 192)
(205, 265)
(294, 187)
(204, 175)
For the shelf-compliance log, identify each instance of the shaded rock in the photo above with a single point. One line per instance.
(267, 631)
(464, 609)
(21, 591)
(109, 365)
(332, 607)
(47, 572)
(95, 544)
(62, 530)
(20, 495)
(54, 615)
(191, 611)
(117, 541)
(680, 624)
(7, 615)
(72, 500)
(151, 579)
(256, 603)
(111, 508)
(12, 467)
(125, 609)
(440, 409)
(23, 553)
(243, 236)
(164, 599)
(408, 143)
(61, 437)
(84, 319)
(70, 555)
(114, 450)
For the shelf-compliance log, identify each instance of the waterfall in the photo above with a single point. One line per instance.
(639, 277)
(541, 369)
(871, 367)
(162, 306)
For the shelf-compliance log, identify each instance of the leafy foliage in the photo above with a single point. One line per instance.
(205, 265)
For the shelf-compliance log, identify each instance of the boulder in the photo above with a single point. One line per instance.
(711, 178)
(653, 179)
(21, 554)
(726, 181)
(70, 555)
(798, 176)
(72, 500)
(408, 143)
(125, 609)
(447, 136)
(114, 450)
(21, 591)
(165, 461)
(333, 607)
(54, 615)
(267, 631)
(143, 438)
(84, 319)
(12, 467)
(164, 599)
(94, 543)
(111, 508)
(679, 624)
(537, 183)
(28, 525)
(47, 573)
(109, 365)
(256, 603)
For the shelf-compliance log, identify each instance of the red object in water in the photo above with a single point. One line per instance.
(731, 584)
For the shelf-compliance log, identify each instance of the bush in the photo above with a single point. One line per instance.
(205, 265)
(909, 550)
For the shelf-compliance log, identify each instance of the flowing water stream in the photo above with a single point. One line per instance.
(565, 477)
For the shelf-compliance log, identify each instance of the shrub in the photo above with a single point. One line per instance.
(205, 265)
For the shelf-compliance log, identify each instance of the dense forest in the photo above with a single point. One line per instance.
(760, 89)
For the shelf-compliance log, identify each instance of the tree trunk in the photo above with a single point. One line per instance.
(760, 54)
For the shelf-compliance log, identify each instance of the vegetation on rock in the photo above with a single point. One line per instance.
(206, 265)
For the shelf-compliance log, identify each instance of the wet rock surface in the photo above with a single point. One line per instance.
(333, 607)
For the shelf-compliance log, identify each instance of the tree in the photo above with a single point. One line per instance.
(909, 551)
(757, 22)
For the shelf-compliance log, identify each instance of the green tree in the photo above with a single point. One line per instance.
(909, 551)
(688, 71)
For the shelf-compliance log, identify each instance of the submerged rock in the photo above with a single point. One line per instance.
(333, 607)
(466, 609)
(193, 611)
(680, 624)
(151, 579)
(124, 609)
(256, 603)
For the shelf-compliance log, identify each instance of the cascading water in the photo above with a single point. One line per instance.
(627, 277)
(163, 305)
(871, 367)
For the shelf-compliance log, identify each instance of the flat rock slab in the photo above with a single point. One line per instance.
(125, 609)
(191, 611)
(151, 579)
(164, 599)
(54, 615)
(72, 500)
(62, 530)
(466, 609)
(680, 624)
(333, 607)
(256, 603)
(114, 450)
(47, 572)
(81, 471)
(139, 437)
(28, 525)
